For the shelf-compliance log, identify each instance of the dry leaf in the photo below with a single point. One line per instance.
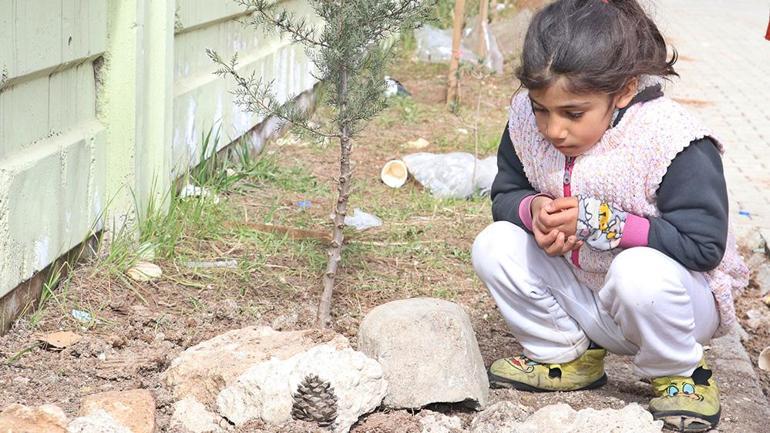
(60, 340)
(764, 359)
(145, 271)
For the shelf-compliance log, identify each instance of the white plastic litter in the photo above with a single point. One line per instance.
(217, 264)
(493, 60)
(394, 87)
(394, 173)
(191, 190)
(81, 316)
(435, 46)
(362, 220)
(452, 175)
(764, 359)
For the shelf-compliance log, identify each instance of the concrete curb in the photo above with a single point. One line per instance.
(744, 406)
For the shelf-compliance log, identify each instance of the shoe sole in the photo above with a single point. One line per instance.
(498, 382)
(688, 422)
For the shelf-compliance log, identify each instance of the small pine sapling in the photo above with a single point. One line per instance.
(348, 50)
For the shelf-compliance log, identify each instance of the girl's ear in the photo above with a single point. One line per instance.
(627, 93)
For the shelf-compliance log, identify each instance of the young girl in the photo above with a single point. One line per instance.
(611, 215)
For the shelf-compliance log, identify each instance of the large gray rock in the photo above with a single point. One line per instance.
(561, 418)
(251, 374)
(265, 390)
(428, 351)
(203, 370)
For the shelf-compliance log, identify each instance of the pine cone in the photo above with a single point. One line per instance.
(315, 401)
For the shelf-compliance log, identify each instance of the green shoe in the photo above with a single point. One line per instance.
(520, 372)
(687, 404)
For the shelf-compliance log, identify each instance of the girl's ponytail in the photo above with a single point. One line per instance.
(654, 49)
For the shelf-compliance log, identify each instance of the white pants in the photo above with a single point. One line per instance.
(650, 305)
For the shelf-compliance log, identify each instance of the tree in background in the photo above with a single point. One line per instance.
(349, 54)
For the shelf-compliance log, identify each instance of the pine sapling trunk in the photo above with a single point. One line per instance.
(340, 209)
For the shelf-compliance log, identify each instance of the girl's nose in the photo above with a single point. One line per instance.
(555, 131)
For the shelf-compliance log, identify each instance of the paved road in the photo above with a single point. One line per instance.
(725, 78)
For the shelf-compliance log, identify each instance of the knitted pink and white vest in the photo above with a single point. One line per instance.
(626, 168)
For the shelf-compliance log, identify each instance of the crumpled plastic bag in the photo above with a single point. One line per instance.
(435, 46)
(494, 57)
(362, 220)
(452, 175)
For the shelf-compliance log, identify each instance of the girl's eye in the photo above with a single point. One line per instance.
(538, 109)
(573, 115)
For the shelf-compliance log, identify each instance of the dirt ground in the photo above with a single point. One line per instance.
(423, 249)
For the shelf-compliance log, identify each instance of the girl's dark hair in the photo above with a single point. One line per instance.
(598, 45)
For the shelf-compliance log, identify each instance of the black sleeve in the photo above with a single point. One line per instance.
(692, 199)
(511, 185)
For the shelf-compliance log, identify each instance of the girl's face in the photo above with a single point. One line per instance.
(573, 123)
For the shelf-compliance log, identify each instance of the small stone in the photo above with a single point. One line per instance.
(762, 279)
(756, 318)
(42, 419)
(420, 143)
(21, 380)
(500, 417)
(561, 418)
(749, 237)
(98, 421)
(145, 271)
(435, 422)
(190, 416)
(134, 409)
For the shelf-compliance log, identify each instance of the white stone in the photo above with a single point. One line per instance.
(98, 421)
(561, 418)
(145, 271)
(758, 318)
(749, 237)
(203, 370)
(428, 351)
(265, 390)
(500, 417)
(191, 416)
(434, 422)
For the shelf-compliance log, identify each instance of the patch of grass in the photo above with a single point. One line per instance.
(267, 173)
(54, 289)
(406, 108)
(215, 171)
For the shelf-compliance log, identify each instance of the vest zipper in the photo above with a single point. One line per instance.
(569, 165)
